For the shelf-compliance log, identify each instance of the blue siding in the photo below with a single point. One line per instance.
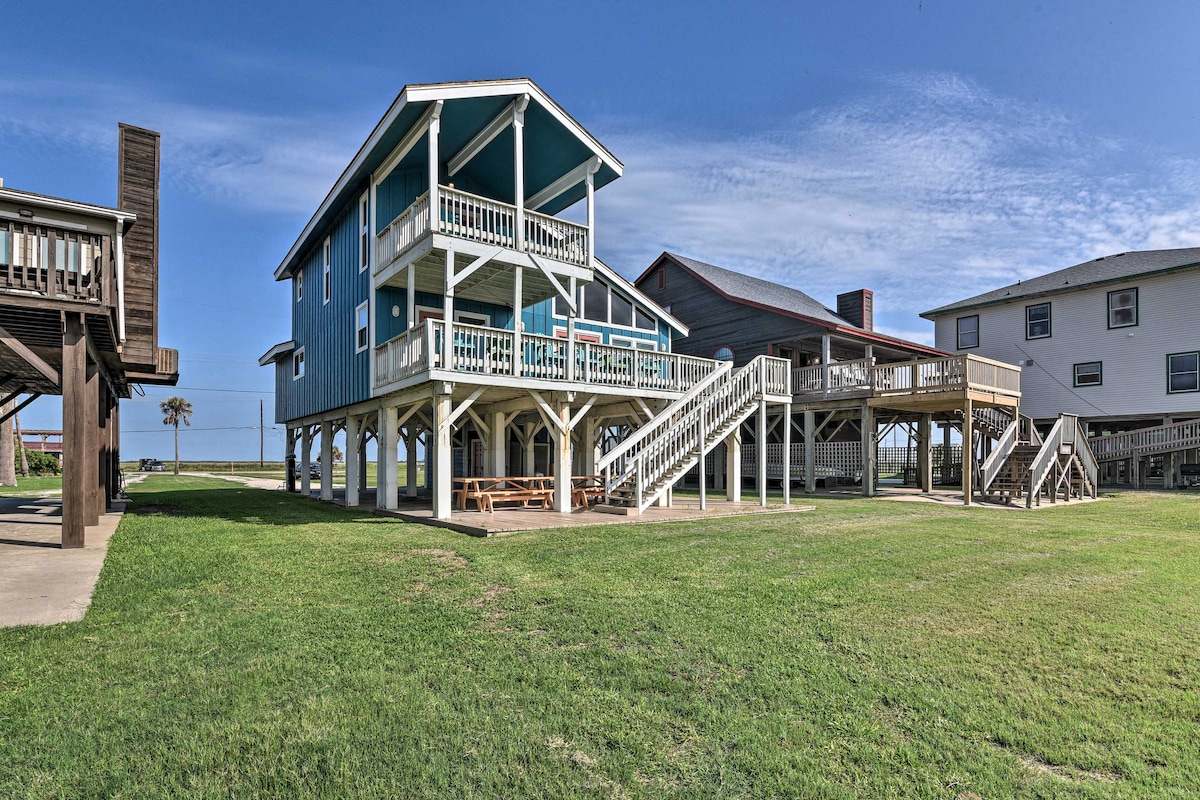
(335, 375)
(388, 326)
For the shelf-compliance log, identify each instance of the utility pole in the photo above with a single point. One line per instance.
(260, 433)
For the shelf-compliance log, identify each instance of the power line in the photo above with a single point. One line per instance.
(169, 429)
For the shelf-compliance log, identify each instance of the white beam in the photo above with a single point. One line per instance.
(455, 280)
(558, 287)
(410, 140)
(485, 136)
(563, 184)
(450, 419)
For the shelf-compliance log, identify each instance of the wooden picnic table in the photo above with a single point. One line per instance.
(488, 491)
(586, 490)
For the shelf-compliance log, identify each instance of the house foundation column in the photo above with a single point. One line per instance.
(353, 445)
(925, 453)
(868, 451)
(386, 436)
(589, 447)
(74, 386)
(498, 445)
(761, 451)
(562, 458)
(733, 466)
(787, 454)
(410, 460)
(364, 433)
(530, 433)
(306, 460)
(968, 454)
(327, 460)
(103, 461)
(91, 466)
(810, 452)
(443, 457)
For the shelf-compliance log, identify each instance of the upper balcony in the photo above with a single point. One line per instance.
(926, 382)
(55, 264)
(471, 218)
(439, 350)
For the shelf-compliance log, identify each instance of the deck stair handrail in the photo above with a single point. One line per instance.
(1147, 441)
(990, 469)
(680, 435)
(1065, 447)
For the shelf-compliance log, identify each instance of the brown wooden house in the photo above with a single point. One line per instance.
(79, 317)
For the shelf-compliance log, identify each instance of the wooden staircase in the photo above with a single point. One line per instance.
(1022, 466)
(642, 468)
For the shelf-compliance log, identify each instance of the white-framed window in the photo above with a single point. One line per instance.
(635, 344)
(1183, 372)
(1123, 308)
(364, 231)
(723, 353)
(362, 322)
(1089, 373)
(299, 285)
(598, 302)
(298, 364)
(325, 272)
(1037, 321)
(470, 318)
(968, 332)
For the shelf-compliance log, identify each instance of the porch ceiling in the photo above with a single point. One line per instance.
(494, 282)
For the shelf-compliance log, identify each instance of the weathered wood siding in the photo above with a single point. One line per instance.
(335, 375)
(1134, 358)
(137, 191)
(716, 322)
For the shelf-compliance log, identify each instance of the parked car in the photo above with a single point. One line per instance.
(314, 471)
(150, 465)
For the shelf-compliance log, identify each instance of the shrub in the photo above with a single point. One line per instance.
(40, 463)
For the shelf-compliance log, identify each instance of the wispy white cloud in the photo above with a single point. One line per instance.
(243, 158)
(928, 191)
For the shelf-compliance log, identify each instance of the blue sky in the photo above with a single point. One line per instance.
(927, 150)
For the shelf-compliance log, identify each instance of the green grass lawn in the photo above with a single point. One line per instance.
(249, 643)
(33, 487)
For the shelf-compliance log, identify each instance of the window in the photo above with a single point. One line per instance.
(299, 285)
(968, 332)
(469, 318)
(622, 311)
(561, 309)
(362, 318)
(364, 232)
(5, 247)
(1037, 321)
(595, 302)
(643, 320)
(325, 270)
(1183, 372)
(723, 354)
(1123, 308)
(1090, 373)
(298, 364)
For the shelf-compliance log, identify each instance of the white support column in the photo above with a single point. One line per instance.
(718, 470)
(810, 452)
(868, 450)
(327, 460)
(362, 455)
(825, 365)
(448, 308)
(968, 453)
(925, 453)
(352, 447)
(519, 174)
(571, 314)
(787, 454)
(561, 435)
(443, 456)
(386, 444)
(761, 450)
(410, 310)
(410, 462)
(733, 466)
(590, 183)
(498, 444)
(306, 460)
(435, 206)
(589, 446)
(528, 467)
(518, 306)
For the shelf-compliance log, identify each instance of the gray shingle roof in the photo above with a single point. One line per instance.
(757, 290)
(1106, 269)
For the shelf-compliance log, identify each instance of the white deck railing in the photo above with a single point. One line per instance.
(478, 350)
(1147, 441)
(951, 373)
(479, 219)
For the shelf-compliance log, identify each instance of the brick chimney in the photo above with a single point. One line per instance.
(137, 191)
(858, 308)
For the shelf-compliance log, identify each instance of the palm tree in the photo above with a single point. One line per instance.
(176, 410)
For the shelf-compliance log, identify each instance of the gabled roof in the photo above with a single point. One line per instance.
(615, 279)
(778, 299)
(408, 106)
(1117, 268)
(277, 352)
(20, 196)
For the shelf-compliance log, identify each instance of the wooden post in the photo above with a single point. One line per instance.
(589, 447)
(810, 451)
(518, 359)
(362, 455)
(530, 432)
(306, 460)
(868, 450)
(701, 470)
(518, 125)
(352, 448)
(410, 308)
(327, 460)
(925, 453)
(733, 466)
(435, 206)
(562, 458)
(761, 447)
(968, 453)
(386, 442)
(91, 464)
(498, 445)
(946, 460)
(103, 461)
(410, 460)
(787, 454)
(825, 365)
(443, 457)
(74, 406)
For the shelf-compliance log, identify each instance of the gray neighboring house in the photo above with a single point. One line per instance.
(1114, 340)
